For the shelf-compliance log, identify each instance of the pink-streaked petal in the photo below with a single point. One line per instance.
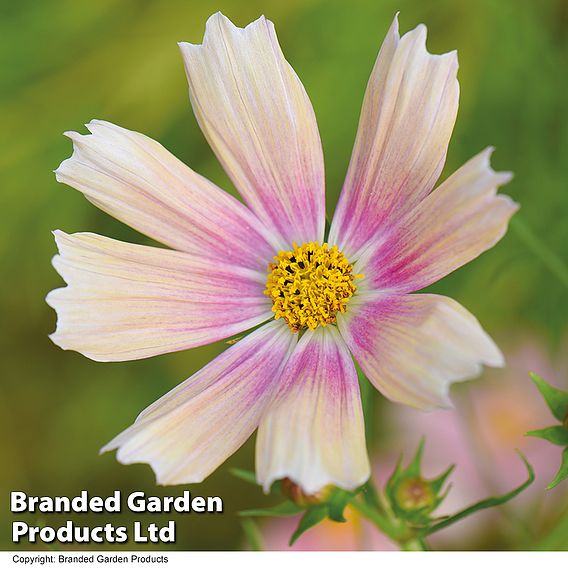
(126, 301)
(313, 433)
(407, 119)
(412, 347)
(258, 119)
(190, 431)
(453, 225)
(136, 180)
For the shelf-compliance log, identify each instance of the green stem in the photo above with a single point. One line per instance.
(252, 534)
(414, 545)
(535, 244)
(557, 538)
(396, 532)
(380, 521)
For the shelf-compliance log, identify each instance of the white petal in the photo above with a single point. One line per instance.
(412, 347)
(454, 224)
(136, 180)
(259, 121)
(126, 301)
(314, 431)
(406, 122)
(191, 430)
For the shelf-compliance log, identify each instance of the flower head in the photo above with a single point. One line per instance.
(309, 285)
(231, 267)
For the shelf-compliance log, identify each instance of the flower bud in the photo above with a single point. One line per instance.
(412, 497)
(414, 493)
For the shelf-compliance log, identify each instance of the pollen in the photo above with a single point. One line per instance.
(309, 285)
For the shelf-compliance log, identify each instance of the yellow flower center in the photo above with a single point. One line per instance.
(309, 285)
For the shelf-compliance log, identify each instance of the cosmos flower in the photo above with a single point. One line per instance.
(315, 302)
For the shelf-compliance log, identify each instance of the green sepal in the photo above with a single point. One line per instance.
(371, 495)
(439, 481)
(484, 504)
(415, 466)
(554, 434)
(312, 517)
(336, 503)
(250, 477)
(562, 472)
(284, 509)
(245, 475)
(556, 399)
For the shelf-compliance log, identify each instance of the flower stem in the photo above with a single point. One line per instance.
(557, 538)
(416, 544)
(252, 534)
(389, 527)
(380, 521)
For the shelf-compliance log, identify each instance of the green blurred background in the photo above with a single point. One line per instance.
(65, 62)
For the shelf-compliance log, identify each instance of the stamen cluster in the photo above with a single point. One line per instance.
(309, 285)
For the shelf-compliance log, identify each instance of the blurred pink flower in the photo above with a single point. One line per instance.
(481, 437)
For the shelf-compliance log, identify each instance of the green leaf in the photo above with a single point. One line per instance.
(285, 509)
(485, 504)
(245, 475)
(562, 472)
(556, 399)
(554, 434)
(312, 517)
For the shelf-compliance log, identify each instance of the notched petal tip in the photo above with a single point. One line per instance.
(394, 28)
(59, 236)
(219, 25)
(229, 76)
(421, 31)
(505, 177)
(484, 157)
(419, 36)
(96, 123)
(493, 356)
(73, 135)
(54, 337)
(110, 446)
(443, 401)
(161, 476)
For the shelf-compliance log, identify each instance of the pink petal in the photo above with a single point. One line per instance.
(406, 122)
(412, 347)
(190, 431)
(136, 180)
(313, 433)
(126, 301)
(456, 223)
(259, 121)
